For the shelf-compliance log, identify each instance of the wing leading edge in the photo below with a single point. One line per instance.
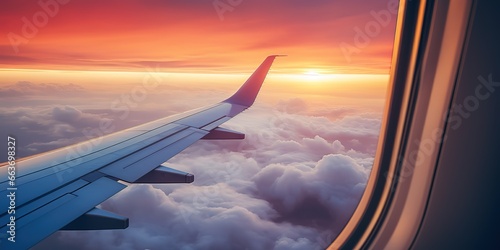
(60, 189)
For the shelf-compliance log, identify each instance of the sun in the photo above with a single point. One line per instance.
(312, 75)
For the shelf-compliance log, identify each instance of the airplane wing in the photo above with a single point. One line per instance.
(59, 190)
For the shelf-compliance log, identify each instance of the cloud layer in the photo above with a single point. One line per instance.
(292, 184)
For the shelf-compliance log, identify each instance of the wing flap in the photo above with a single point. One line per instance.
(42, 201)
(216, 123)
(133, 167)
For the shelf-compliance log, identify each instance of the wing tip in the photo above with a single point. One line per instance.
(247, 93)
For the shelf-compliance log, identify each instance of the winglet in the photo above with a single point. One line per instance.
(248, 91)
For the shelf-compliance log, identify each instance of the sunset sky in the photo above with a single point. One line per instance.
(311, 135)
(190, 36)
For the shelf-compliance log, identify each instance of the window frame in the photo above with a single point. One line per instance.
(425, 63)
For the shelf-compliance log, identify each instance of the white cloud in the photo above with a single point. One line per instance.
(291, 184)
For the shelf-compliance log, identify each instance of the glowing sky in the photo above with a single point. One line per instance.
(193, 36)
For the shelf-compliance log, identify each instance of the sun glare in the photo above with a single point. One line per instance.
(314, 76)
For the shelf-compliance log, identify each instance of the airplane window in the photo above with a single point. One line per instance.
(76, 70)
